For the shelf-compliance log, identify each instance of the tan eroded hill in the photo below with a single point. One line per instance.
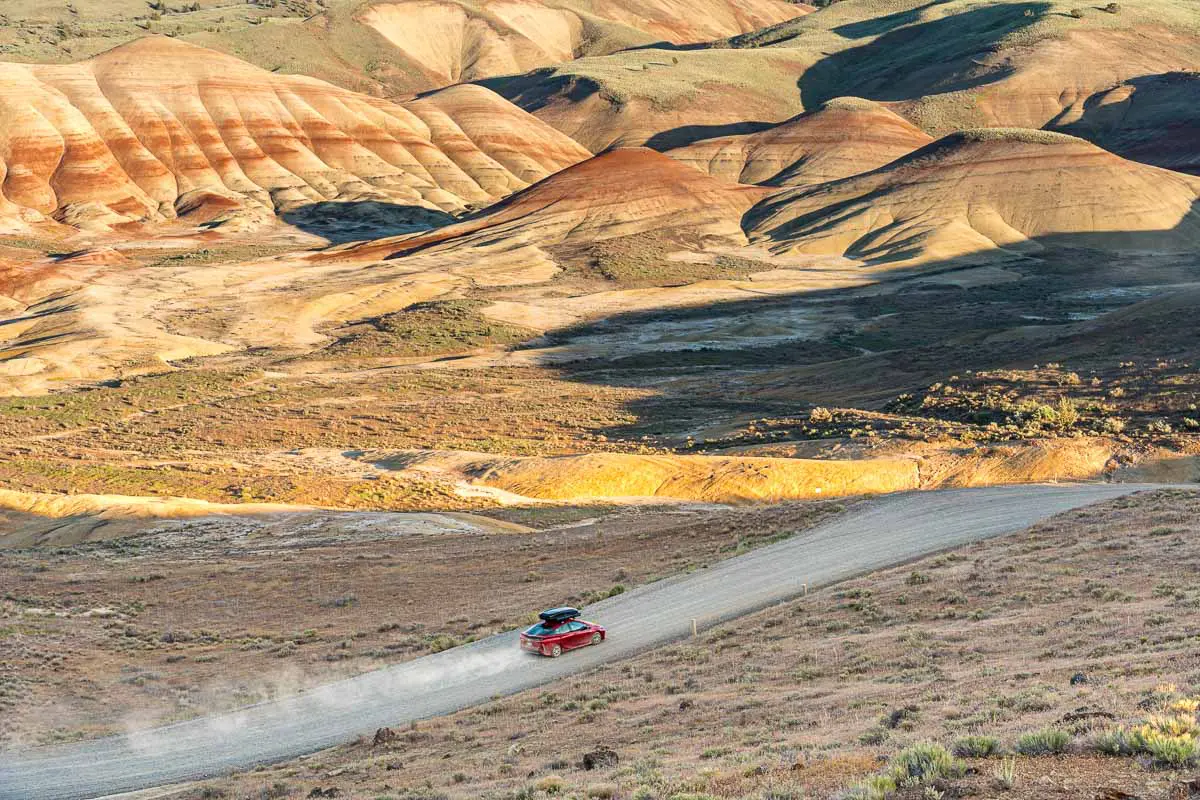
(70, 519)
(501, 147)
(382, 47)
(732, 478)
(93, 320)
(719, 479)
(617, 193)
(973, 192)
(158, 128)
(945, 66)
(957, 65)
(844, 137)
(449, 41)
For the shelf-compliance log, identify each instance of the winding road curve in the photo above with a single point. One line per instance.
(887, 531)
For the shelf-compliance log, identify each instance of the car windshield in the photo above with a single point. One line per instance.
(545, 629)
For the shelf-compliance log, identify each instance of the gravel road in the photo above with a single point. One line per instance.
(887, 531)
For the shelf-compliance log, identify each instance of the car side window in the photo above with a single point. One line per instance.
(577, 626)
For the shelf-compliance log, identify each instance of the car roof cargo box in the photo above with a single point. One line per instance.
(559, 614)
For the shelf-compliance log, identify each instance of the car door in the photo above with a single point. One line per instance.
(578, 635)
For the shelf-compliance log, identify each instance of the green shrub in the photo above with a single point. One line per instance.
(876, 787)
(922, 763)
(1066, 413)
(1050, 741)
(441, 642)
(1175, 752)
(1169, 739)
(977, 747)
(1114, 743)
(602, 791)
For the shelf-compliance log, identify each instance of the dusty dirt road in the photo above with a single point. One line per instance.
(885, 531)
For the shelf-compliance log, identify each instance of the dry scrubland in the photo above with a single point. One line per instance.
(249, 287)
(1102, 380)
(974, 650)
(184, 617)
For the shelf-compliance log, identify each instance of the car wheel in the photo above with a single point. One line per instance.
(556, 651)
(596, 637)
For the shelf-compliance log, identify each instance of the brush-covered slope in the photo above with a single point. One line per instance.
(158, 128)
(617, 193)
(945, 66)
(661, 98)
(844, 137)
(961, 64)
(382, 47)
(448, 41)
(970, 193)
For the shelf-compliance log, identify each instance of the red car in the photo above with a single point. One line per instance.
(561, 629)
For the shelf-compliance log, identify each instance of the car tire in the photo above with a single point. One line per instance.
(555, 651)
(596, 638)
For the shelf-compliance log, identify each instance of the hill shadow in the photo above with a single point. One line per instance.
(918, 59)
(356, 220)
(533, 90)
(669, 46)
(689, 134)
(870, 344)
(1157, 124)
(876, 26)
